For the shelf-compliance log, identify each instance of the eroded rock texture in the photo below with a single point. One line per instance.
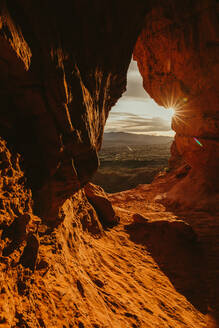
(60, 77)
(177, 54)
(78, 274)
(99, 200)
(62, 68)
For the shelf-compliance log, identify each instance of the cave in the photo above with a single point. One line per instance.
(137, 139)
(72, 255)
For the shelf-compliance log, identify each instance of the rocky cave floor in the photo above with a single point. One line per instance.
(188, 262)
(157, 268)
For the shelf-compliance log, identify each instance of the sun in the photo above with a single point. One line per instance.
(171, 109)
(170, 112)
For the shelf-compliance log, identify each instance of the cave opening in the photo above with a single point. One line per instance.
(137, 138)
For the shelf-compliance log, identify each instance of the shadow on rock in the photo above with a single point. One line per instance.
(29, 256)
(174, 246)
(16, 233)
(102, 205)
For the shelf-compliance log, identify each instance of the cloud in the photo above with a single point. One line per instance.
(120, 114)
(136, 112)
(128, 122)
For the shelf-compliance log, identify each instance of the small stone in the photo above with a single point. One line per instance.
(138, 218)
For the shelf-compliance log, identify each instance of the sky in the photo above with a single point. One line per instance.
(137, 112)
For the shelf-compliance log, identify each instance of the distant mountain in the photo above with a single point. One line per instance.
(123, 138)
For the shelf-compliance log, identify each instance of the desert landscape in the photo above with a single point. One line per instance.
(127, 161)
(143, 253)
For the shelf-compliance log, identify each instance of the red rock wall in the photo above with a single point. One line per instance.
(80, 275)
(63, 66)
(177, 54)
(61, 73)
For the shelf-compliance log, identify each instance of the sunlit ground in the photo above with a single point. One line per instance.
(136, 112)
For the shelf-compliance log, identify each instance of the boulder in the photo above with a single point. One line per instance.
(101, 203)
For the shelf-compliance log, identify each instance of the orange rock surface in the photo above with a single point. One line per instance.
(177, 55)
(100, 201)
(66, 260)
(80, 275)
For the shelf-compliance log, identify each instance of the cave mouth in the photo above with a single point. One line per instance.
(137, 138)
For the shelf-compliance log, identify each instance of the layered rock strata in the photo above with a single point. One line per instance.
(62, 68)
(77, 274)
(177, 54)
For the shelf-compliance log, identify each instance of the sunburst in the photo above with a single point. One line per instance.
(178, 107)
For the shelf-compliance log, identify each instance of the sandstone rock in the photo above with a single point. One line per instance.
(61, 77)
(168, 229)
(100, 201)
(44, 67)
(178, 61)
(194, 191)
(138, 218)
(29, 255)
(174, 246)
(63, 66)
(74, 275)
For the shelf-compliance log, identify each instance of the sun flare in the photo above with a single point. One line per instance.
(171, 111)
(177, 108)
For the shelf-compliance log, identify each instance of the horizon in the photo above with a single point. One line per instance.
(149, 135)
